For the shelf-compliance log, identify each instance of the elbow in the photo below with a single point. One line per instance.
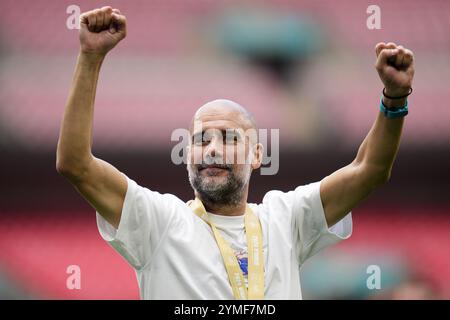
(385, 177)
(65, 169)
(70, 169)
(381, 177)
(72, 163)
(62, 168)
(375, 176)
(62, 164)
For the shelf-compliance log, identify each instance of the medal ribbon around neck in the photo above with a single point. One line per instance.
(255, 275)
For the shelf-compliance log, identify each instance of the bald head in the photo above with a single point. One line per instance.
(226, 111)
(222, 153)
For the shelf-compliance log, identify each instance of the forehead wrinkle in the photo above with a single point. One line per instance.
(223, 111)
(234, 118)
(219, 124)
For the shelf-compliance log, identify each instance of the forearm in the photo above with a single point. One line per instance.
(378, 151)
(345, 188)
(75, 139)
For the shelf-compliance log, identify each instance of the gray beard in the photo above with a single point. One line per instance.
(228, 194)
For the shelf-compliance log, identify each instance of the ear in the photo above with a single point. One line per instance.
(257, 150)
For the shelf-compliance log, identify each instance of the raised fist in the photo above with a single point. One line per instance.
(395, 66)
(101, 29)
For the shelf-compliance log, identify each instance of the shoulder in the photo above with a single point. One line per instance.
(302, 193)
(145, 194)
(285, 203)
(151, 203)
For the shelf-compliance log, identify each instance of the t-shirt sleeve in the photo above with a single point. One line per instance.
(145, 216)
(301, 212)
(310, 229)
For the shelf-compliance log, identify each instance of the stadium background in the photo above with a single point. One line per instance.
(306, 67)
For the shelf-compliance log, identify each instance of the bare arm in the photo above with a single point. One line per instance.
(102, 185)
(347, 187)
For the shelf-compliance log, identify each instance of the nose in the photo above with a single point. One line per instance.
(214, 150)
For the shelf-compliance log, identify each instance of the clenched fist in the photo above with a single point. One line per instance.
(395, 66)
(101, 29)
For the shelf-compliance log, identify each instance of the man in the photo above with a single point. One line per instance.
(218, 246)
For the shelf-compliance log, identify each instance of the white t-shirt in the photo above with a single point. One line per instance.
(176, 256)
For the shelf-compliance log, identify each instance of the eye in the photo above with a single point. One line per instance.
(201, 139)
(198, 139)
(231, 137)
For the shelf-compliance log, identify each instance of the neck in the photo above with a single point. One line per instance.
(237, 209)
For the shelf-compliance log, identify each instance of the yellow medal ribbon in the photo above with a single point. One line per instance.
(255, 275)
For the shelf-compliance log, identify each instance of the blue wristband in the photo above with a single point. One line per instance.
(393, 113)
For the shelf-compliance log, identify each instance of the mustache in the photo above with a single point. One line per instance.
(215, 165)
